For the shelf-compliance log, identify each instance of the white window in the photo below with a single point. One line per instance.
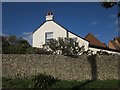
(48, 36)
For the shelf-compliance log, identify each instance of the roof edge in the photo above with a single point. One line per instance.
(70, 31)
(105, 48)
(62, 27)
(38, 27)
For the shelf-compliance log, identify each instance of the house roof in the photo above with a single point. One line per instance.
(117, 38)
(94, 41)
(115, 45)
(38, 27)
(104, 48)
(62, 27)
(104, 44)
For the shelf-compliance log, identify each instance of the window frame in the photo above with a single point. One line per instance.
(48, 36)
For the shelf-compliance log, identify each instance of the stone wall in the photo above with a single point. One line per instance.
(62, 67)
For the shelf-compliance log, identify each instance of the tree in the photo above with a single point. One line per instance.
(12, 39)
(14, 45)
(108, 5)
(23, 43)
(5, 42)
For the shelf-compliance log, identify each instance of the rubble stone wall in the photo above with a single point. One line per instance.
(62, 67)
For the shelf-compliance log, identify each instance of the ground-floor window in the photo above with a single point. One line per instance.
(48, 36)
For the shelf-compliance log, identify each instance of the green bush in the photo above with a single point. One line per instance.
(14, 45)
(68, 46)
(13, 50)
(32, 50)
(103, 53)
(43, 81)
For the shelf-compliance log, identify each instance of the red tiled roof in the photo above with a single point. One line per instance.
(114, 45)
(94, 41)
(117, 38)
(104, 45)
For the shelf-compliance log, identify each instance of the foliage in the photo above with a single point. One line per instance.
(12, 39)
(14, 45)
(38, 81)
(30, 83)
(43, 81)
(67, 46)
(13, 50)
(109, 4)
(17, 45)
(88, 52)
(33, 50)
(53, 44)
(102, 52)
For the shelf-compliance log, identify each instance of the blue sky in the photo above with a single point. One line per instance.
(21, 19)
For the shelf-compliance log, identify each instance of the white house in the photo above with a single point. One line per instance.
(53, 30)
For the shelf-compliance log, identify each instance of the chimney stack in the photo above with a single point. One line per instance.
(49, 16)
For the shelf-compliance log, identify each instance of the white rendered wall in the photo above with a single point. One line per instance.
(81, 41)
(50, 17)
(49, 26)
(58, 31)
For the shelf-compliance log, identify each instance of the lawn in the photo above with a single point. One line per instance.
(29, 83)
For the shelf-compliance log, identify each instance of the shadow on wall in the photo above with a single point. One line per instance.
(93, 64)
(119, 71)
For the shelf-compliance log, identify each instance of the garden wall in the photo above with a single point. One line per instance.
(62, 67)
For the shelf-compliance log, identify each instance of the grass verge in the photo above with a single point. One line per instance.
(28, 83)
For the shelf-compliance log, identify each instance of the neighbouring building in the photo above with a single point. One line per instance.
(114, 44)
(50, 29)
(94, 41)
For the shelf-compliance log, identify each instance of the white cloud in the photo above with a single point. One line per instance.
(3, 34)
(27, 33)
(113, 16)
(27, 36)
(116, 21)
(93, 23)
(97, 35)
(118, 30)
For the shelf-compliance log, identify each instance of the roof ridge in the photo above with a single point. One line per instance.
(94, 38)
(116, 46)
(70, 31)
